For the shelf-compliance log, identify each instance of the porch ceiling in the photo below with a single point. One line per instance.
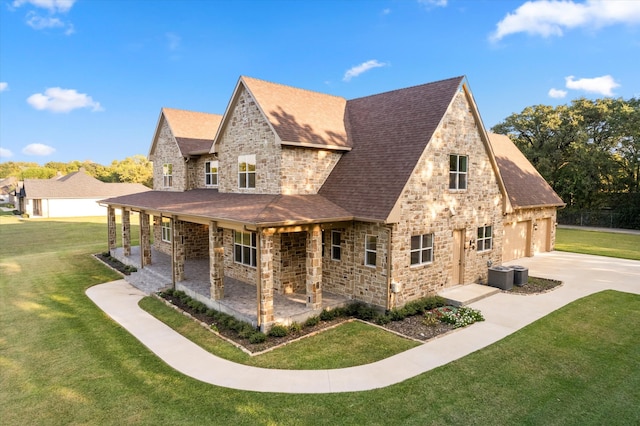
(262, 210)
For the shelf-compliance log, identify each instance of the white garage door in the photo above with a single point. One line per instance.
(516, 240)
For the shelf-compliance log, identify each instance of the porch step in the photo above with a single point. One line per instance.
(462, 295)
(147, 280)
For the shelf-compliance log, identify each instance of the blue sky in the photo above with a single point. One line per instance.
(85, 79)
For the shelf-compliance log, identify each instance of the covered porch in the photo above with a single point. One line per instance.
(240, 298)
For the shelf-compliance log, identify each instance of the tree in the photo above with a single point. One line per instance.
(133, 169)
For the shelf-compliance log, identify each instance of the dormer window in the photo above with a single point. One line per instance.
(211, 173)
(167, 175)
(247, 171)
(458, 165)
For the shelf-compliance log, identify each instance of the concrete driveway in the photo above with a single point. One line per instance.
(504, 314)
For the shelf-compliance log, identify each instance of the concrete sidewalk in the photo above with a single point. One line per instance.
(504, 314)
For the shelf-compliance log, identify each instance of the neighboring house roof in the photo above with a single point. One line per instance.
(78, 185)
(8, 184)
(298, 117)
(256, 209)
(193, 131)
(525, 187)
(389, 132)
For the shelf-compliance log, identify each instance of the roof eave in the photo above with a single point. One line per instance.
(315, 145)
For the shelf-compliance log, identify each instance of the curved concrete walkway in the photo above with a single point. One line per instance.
(504, 314)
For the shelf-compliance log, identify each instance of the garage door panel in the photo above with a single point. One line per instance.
(516, 240)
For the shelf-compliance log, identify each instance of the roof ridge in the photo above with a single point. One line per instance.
(189, 110)
(460, 77)
(292, 87)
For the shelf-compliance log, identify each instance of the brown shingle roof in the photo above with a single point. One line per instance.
(301, 117)
(78, 185)
(525, 186)
(256, 209)
(388, 132)
(194, 131)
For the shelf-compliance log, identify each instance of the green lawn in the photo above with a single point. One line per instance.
(624, 246)
(63, 361)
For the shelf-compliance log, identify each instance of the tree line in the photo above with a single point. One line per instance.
(588, 151)
(135, 169)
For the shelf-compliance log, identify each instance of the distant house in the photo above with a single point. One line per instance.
(73, 195)
(382, 199)
(7, 188)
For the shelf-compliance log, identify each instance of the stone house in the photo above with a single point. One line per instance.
(382, 199)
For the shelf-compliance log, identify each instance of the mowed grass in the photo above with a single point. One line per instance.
(610, 244)
(63, 361)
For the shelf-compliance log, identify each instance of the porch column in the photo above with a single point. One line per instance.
(314, 267)
(111, 227)
(265, 279)
(216, 261)
(145, 240)
(126, 232)
(177, 240)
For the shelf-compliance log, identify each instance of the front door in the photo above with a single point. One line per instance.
(458, 257)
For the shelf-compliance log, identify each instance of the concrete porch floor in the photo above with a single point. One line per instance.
(240, 298)
(462, 295)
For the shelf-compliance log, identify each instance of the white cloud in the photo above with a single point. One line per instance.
(56, 99)
(557, 93)
(602, 85)
(551, 17)
(53, 6)
(38, 149)
(4, 86)
(436, 3)
(363, 67)
(5, 153)
(38, 22)
(173, 41)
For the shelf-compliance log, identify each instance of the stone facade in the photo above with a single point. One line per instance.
(428, 206)
(196, 171)
(304, 170)
(167, 152)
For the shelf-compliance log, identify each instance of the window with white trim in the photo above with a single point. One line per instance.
(458, 169)
(370, 250)
(244, 248)
(485, 238)
(336, 250)
(211, 173)
(421, 249)
(165, 227)
(247, 171)
(167, 175)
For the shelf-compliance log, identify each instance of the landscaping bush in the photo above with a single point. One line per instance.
(312, 321)
(295, 327)
(257, 337)
(278, 330)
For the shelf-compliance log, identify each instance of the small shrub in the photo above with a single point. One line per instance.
(246, 330)
(366, 312)
(312, 321)
(459, 317)
(215, 328)
(383, 319)
(430, 319)
(295, 327)
(327, 315)
(211, 313)
(278, 330)
(257, 337)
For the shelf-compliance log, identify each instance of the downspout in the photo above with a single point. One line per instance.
(259, 274)
(173, 251)
(389, 259)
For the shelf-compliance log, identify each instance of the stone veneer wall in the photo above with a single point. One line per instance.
(196, 168)
(158, 244)
(247, 132)
(167, 151)
(425, 208)
(289, 262)
(196, 240)
(304, 170)
(535, 215)
(232, 269)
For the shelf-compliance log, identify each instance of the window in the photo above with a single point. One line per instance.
(167, 175)
(421, 249)
(370, 244)
(458, 171)
(211, 173)
(244, 248)
(484, 238)
(247, 171)
(336, 251)
(166, 229)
